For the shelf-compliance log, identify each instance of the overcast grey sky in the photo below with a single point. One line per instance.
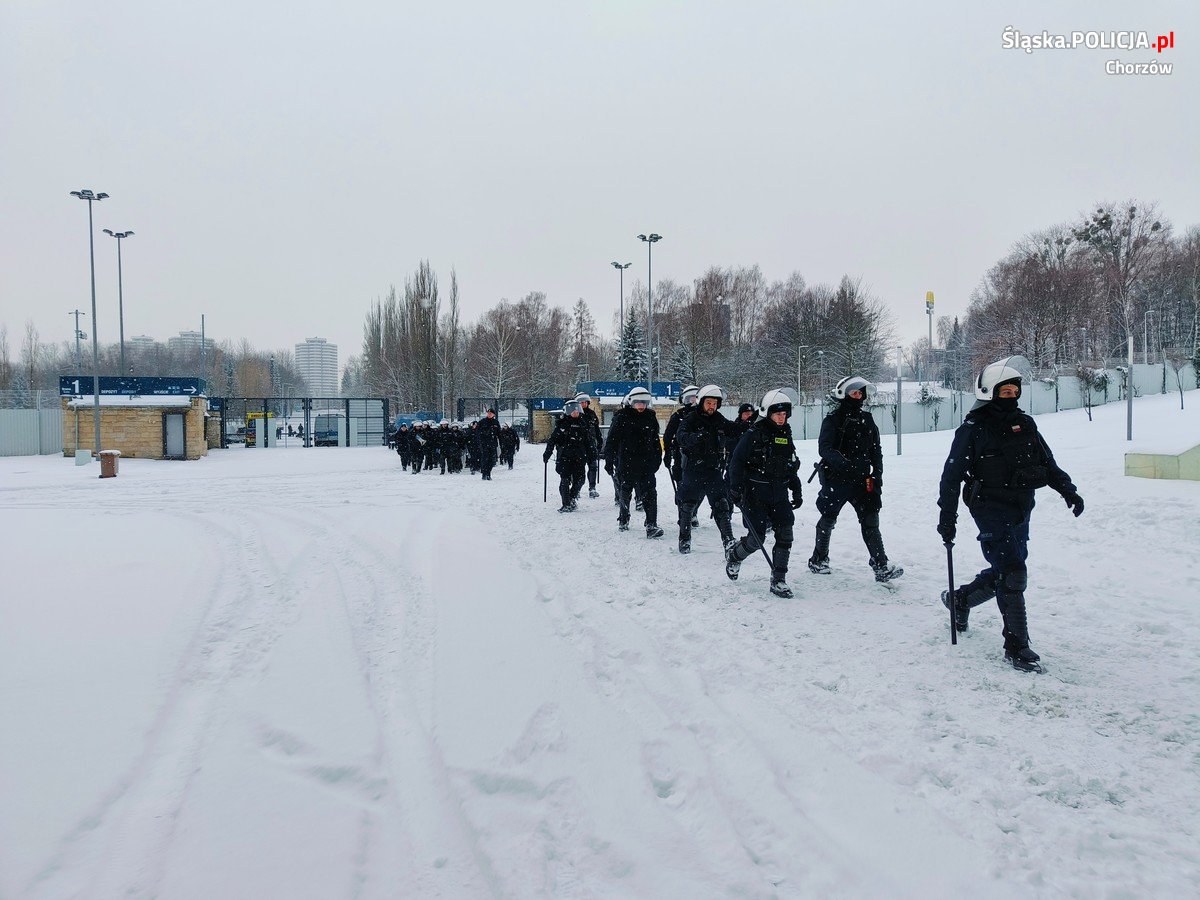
(283, 163)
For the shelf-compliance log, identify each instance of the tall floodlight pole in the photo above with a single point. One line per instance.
(621, 269)
(899, 397)
(650, 240)
(120, 236)
(78, 334)
(1129, 383)
(929, 313)
(90, 196)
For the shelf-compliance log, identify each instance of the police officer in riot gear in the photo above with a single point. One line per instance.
(999, 459)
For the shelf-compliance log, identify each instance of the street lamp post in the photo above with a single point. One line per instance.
(650, 240)
(442, 387)
(621, 314)
(120, 236)
(78, 335)
(90, 196)
(821, 357)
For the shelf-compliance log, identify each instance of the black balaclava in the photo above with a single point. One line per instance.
(1006, 404)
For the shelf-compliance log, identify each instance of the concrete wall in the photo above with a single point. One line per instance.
(1184, 465)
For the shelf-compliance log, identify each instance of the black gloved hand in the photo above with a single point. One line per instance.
(546, 455)
(797, 499)
(1074, 501)
(947, 529)
(609, 468)
(736, 498)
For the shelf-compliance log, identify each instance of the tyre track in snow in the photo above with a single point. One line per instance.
(393, 637)
(117, 846)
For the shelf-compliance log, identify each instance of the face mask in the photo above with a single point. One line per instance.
(1006, 404)
(853, 403)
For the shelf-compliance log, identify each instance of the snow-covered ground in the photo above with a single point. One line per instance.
(307, 674)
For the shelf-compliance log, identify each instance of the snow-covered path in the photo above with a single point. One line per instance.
(309, 674)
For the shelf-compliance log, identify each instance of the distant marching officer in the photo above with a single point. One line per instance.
(851, 470)
(702, 440)
(573, 439)
(593, 421)
(762, 473)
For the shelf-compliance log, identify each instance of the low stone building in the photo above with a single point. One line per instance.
(150, 427)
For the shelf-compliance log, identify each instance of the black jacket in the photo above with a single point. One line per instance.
(702, 441)
(849, 445)
(573, 439)
(487, 436)
(765, 458)
(633, 447)
(593, 422)
(670, 451)
(1001, 458)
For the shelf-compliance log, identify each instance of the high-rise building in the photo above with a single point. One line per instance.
(317, 363)
(141, 342)
(191, 341)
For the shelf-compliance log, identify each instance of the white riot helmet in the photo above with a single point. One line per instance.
(688, 395)
(1010, 369)
(851, 383)
(582, 398)
(640, 395)
(710, 390)
(572, 406)
(777, 400)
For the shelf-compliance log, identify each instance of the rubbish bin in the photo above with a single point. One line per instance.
(108, 463)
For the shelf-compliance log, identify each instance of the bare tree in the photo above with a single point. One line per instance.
(1125, 242)
(6, 367)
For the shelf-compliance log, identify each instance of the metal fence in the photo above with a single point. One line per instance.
(304, 421)
(31, 423)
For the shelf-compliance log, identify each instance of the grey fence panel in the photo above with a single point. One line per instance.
(30, 432)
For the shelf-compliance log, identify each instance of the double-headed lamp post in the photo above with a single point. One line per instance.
(621, 268)
(120, 236)
(89, 196)
(650, 240)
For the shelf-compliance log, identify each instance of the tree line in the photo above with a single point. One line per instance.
(1069, 297)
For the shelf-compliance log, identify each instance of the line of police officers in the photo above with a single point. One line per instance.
(997, 460)
(450, 447)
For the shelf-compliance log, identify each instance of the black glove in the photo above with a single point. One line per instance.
(546, 455)
(797, 499)
(1074, 501)
(677, 473)
(609, 467)
(947, 529)
(736, 498)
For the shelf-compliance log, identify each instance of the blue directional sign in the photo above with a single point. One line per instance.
(168, 386)
(621, 388)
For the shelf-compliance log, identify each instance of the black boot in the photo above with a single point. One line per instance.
(818, 563)
(967, 597)
(1016, 633)
(779, 566)
(685, 528)
(733, 559)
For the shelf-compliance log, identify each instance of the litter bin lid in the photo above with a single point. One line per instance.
(110, 452)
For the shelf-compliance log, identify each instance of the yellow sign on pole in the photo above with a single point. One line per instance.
(929, 298)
